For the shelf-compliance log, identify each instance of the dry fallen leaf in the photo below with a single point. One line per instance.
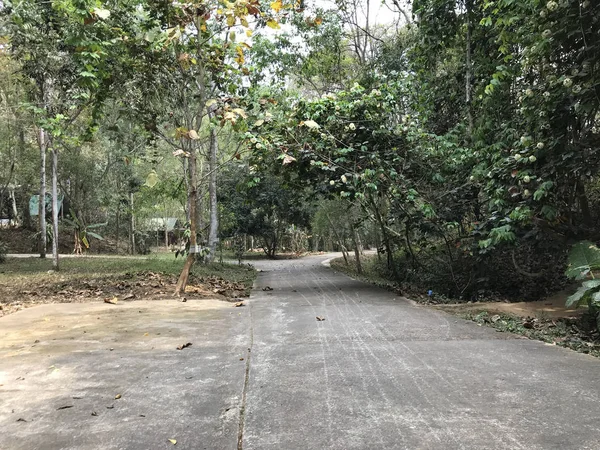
(64, 407)
(94, 413)
(238, 304)
(182, 346)
(320, 318)
(267, 288)
(112, 301)
(173, 441)
(117, 397)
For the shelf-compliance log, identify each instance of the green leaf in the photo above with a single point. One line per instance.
(583, 258)
(581, 295)
(595, 298)
(95, 235)
(152, 179)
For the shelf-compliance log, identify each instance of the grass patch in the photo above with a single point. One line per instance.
(26, 282)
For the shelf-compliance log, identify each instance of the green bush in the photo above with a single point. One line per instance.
(584, 258)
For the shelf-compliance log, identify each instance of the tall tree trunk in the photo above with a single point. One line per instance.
(339, 238)
(43, 142)
(15, 211)
(212, 192)
(386, 239)
(193, 201)
(200, 203)
(118, 221)
(132, 224)
(584, 204)
(469, 68)
(186, 171)
(166, 233)
(356, 240)
(55, 208)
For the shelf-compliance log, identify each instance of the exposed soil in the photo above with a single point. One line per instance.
(552, 307)
(547, 320)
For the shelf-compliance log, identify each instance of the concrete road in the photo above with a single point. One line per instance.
(377, 373)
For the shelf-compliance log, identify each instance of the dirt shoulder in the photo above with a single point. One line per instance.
(552, 307)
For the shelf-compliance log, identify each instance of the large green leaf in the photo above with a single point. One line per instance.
(96, 225)
(580, 296)
(583, 258)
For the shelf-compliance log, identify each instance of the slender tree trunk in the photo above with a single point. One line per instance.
(584, 203)
(193, 201)
(15, 212)
(42, 197)
(339, 238)
(166, 230)
(186, 171)
(212, 190)
(200, 202)
(469, 69)
(386, 240)
(117, 226)
(132, 224)
(55, 209)
(356, 240)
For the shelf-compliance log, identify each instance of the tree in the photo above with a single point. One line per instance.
(62, 46)
(193, 64)
(266, 206)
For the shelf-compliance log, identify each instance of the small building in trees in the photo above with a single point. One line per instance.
(166, 229)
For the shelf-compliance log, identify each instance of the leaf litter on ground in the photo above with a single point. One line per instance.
(34, 288)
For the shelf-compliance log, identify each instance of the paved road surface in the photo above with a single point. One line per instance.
(377, 373)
